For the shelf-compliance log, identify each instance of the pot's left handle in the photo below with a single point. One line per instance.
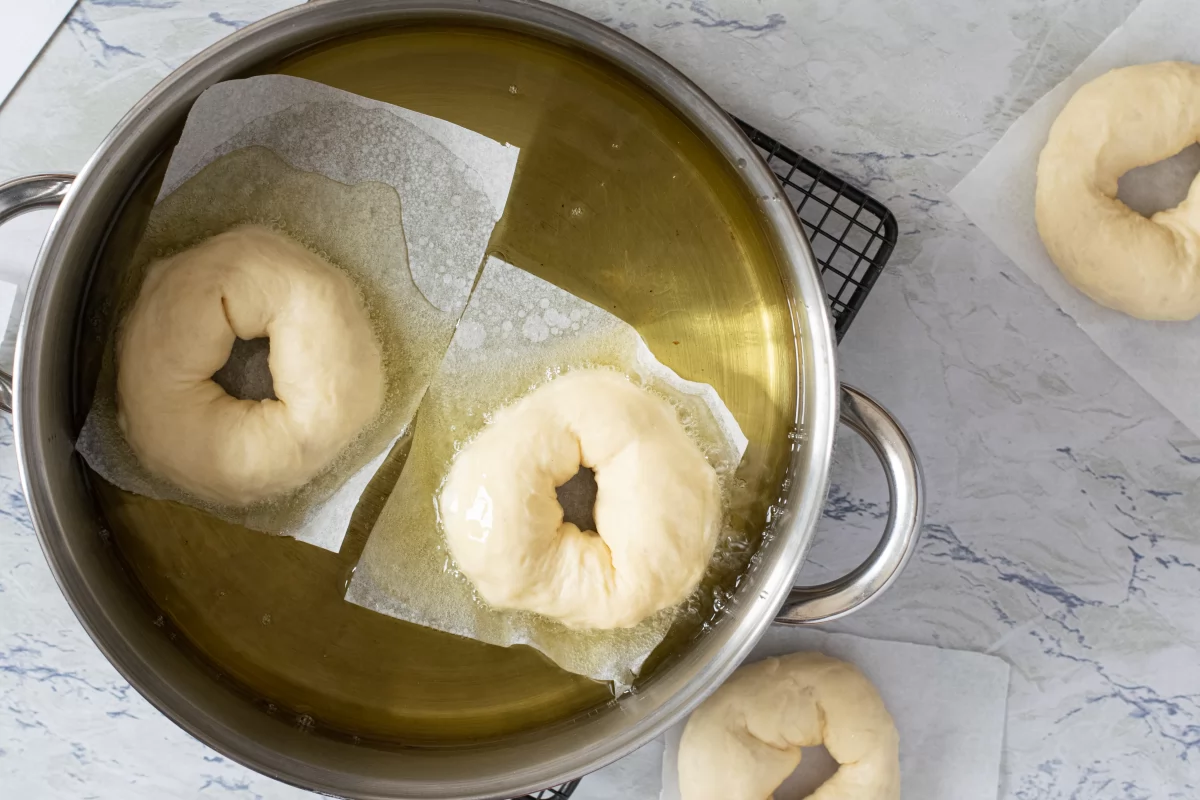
(17, 197)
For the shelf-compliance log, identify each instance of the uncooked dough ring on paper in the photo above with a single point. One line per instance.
(325, 363)
(657, 509)
(1127, 118)
(744, 740)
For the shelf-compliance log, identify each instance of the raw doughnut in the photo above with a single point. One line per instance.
(745, 740)
(325, 364)
(1130, 117)
(657, 509)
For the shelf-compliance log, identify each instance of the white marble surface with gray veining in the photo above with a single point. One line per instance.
(1062, 514)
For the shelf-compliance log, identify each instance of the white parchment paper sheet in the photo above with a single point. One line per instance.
(1164, 357)
(949, 707)
(27, 27)
(416, 257)
(517, 331)
(352, 139)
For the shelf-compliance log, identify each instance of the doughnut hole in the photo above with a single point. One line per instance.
(578, 499)
(816, 767)
(1161, 185)
(246, 374)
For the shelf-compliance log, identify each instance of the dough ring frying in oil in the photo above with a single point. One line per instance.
(657, 509)
(744, 741)
(325, 363)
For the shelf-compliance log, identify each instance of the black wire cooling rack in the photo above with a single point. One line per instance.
(557, 793)
(852, 236)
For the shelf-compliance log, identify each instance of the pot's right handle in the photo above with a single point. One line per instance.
(17, 197)
(808, 605)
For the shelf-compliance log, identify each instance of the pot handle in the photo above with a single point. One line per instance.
(17, 197)
(809, 605)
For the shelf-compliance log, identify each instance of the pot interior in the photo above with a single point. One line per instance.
(617, 200)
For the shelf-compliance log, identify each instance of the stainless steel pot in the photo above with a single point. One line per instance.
(67, 521)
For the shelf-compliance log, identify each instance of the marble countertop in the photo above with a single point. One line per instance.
(1060, 525)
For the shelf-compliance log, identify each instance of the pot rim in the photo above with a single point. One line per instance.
(119, 160)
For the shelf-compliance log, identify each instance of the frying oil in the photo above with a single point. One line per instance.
(617, 201)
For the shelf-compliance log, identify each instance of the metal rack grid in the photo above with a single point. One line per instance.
(852, 236)
(556, 793)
